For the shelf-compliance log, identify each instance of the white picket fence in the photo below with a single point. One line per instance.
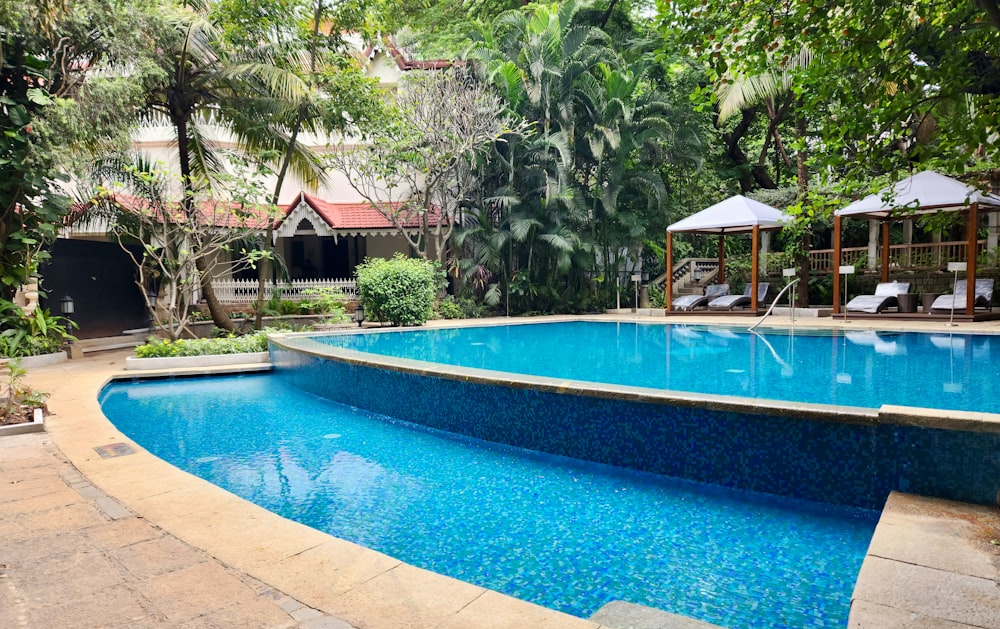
(245, 291)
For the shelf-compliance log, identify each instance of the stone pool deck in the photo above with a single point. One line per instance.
(132, 541)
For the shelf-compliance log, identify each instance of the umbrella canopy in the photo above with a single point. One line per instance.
(923, 193)
(735, 214)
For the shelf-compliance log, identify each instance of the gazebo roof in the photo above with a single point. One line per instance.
(735, 214)
(923, 193)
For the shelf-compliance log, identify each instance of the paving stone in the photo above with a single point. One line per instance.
(929, 592)
(157, 556)
(119, 533)
(112, 508)
(194, 591)
(60, 519)
(290, 605)
(114, 606)
(865, 615)
(30, 552)
(306, 613)
(73, 577)
(326, 622)
(44, 502)
(261, 614)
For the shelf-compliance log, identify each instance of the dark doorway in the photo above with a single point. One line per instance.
(100, 278)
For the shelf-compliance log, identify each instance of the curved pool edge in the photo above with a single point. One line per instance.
(966, 421)
(356, 584)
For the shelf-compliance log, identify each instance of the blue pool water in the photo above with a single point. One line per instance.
(860, 368)
(560, 532)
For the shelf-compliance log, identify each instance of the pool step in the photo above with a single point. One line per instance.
(622, 615)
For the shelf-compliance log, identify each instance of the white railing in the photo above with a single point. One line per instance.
(245, 291)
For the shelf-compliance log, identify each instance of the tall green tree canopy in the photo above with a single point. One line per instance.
(53, 110)
(891, 85)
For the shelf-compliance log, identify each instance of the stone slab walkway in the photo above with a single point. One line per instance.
(72, 556)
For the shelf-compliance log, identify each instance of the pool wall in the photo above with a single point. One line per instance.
(852, 461)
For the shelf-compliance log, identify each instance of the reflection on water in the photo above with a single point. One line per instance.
(862, 368)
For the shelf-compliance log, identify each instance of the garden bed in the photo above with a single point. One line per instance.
(133, 363)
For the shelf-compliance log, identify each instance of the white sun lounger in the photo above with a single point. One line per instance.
(886, 294)
(983, 298)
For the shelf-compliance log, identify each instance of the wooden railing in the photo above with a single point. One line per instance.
(245, 291)
(922, 256)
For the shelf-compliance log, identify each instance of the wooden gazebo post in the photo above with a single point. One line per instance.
(669, 299)
(754, 260)
(836, 263)
(970, 256)
(721, 278)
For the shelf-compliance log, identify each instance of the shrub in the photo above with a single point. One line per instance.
(31, 335)
(399, 290)
(256, 342)
(325, 301)
(448, 309)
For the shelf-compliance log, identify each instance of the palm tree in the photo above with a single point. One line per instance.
(203, 86)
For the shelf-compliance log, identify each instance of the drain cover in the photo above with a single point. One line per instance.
(114, 449)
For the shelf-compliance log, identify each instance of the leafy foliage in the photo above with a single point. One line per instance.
(250, 343)
(31, 335)
(18, 399)
(399, 290)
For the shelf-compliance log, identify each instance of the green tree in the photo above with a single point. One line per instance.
(203, 85)
(571, 200)
(339, 98)
(52, 111)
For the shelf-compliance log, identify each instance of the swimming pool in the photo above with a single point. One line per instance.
(560, 532)
(737, 420)
(862, 368)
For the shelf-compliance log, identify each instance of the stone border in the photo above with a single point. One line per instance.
(42, 360)
(195, 362)
(37, 424)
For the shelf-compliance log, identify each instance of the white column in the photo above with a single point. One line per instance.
(873, 237)
(765, 247)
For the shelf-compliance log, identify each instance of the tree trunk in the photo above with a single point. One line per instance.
(802, 179)
(219, 315)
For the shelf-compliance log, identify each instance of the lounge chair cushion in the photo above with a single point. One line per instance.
(956, 301)
(729, 302)
(885, 296)
(690, 302)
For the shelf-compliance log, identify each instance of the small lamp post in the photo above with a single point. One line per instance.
(790, 273)
(697, 274)
(359, 314)
(845, 271)
(67, 307)
(955, 267)
(636, 278)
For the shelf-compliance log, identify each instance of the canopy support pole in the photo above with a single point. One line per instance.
(885, 250)
(836, 264)
(669, 298)
(970, 256)
(754, 262)
(721, 278)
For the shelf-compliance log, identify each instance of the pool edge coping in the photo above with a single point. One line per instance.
(887, 414)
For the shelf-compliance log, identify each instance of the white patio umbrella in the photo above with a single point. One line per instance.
(926, 192)
(736, 214)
